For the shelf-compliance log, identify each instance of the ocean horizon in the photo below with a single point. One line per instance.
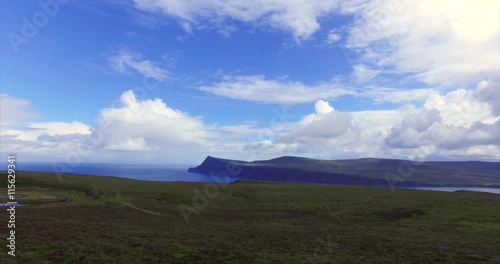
(147, 172)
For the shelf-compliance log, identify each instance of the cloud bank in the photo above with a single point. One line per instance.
(461, 124)
(299, 17)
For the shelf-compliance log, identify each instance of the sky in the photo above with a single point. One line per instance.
(170, 82)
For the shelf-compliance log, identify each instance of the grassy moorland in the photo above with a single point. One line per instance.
(113, 220)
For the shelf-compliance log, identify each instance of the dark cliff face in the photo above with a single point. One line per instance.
(282, 172)
(210, 164)
(356, 172)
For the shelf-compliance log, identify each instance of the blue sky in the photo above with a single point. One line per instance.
(248, 80)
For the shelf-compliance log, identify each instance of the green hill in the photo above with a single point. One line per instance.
(368, 171)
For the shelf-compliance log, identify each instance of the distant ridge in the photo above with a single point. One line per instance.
(364, 171)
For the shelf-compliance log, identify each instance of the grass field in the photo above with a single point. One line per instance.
(113, 220)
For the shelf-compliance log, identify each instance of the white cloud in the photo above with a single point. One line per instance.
(44, 141)
(456, 121)
(333, 36)
(123, 61)
(489, 92)
(134, 131)
(129, 144)
(396, 95)
(461, 108)
(18, 135)
(226, 31)
(323, 107)
(326, 123)
(268, 149)
(137, 125)
(456, 125)
(187, 27)
(245, 130)
(444, 43)
(14, 110)
(257, 88)
(363, 73)
(441, 44)
(318, 130)
(61, 128)
(299, 17)
(32, 131)
(460, 124)
(149, 127)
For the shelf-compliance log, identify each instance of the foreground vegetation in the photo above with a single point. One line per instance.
(113, 220)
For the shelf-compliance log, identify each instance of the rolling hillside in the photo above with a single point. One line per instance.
(368, 171)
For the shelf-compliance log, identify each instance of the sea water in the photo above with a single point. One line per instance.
(131, 171)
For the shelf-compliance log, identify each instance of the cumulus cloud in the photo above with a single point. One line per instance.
(461, 124)
(299, 17)
(440, 138)
(407, 134)
(43, 140)
(15, 126)
(320, 130)
(123, 61)
(457, 120)
(462, 107)
(161, 133)
(489, 92)
(32, 131)
(130, 130)
(138, 125)
(258, 88)
(455, 125)
(322, 107)
(444, 43)
(325, 123)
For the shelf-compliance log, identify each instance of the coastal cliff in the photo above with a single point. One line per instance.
(372, 172)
